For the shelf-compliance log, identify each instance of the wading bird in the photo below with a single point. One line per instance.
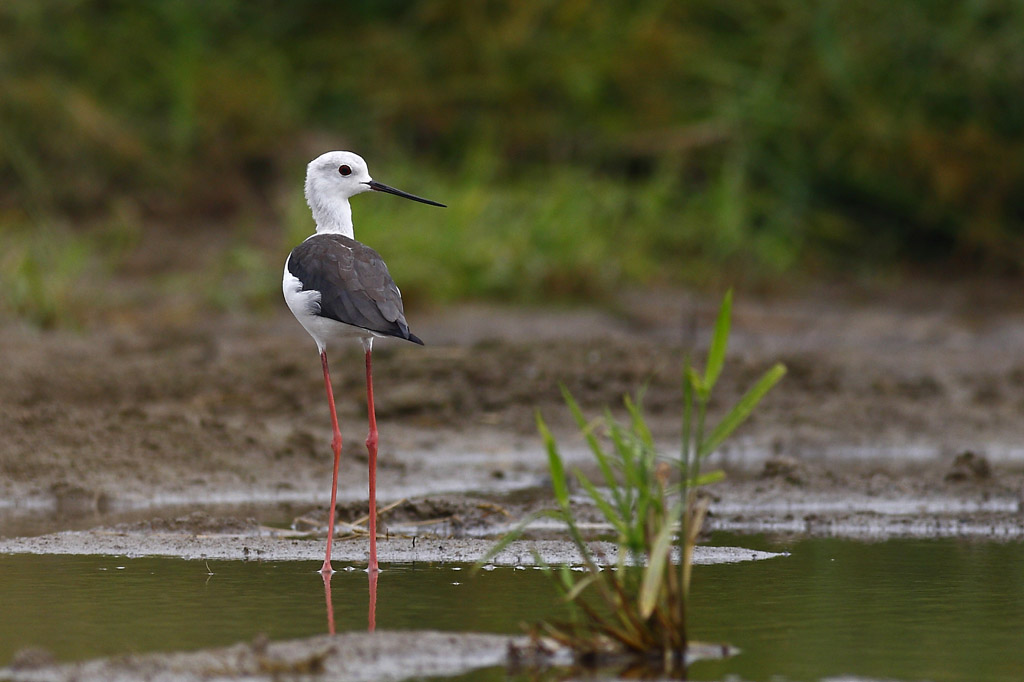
(340, 289)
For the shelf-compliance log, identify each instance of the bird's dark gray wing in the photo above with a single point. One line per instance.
(354, 284)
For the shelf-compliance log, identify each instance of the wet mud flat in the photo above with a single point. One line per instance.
(899, 416)
(903, 407)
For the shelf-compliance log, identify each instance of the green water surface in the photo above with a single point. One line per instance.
(939, 610)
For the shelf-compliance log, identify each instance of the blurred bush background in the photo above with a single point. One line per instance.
(580, 145)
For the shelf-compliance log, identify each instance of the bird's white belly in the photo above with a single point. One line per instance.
(305, 306)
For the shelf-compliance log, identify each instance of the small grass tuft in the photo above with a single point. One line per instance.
(638, 605)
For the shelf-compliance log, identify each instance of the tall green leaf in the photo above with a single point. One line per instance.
(555, 466)
(654, 579)
(687, 435)
(640, 428)
(719, 342)
(739, 413)
(609, 512)
(587, 428)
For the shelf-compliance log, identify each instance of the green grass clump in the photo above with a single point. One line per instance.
(639, 605)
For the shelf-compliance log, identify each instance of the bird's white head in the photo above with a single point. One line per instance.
(338, 175)
(333, 178)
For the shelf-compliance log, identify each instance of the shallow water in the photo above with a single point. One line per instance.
(902, 609)
(82, 607)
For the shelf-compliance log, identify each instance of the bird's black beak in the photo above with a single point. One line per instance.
(381, 187)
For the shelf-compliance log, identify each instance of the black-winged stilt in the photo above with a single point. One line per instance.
(340, 289)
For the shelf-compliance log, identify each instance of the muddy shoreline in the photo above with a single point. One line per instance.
(880, 399)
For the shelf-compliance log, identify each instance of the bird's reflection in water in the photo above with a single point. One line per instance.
(330, 604)
(371, 616)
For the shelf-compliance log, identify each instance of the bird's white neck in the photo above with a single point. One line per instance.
(332, 214)
(334, 217)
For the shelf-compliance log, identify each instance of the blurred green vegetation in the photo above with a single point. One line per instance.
(581, 145)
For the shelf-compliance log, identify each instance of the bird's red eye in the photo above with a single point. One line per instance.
(345, 170)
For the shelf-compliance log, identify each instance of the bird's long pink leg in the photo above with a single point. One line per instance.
(336, 446)
(371, 448)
